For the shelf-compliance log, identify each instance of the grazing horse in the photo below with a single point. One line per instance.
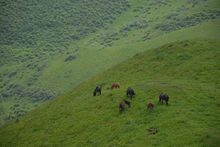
(164, 97)
(130, 92)
(122, 105)
(150, 105)
(97, 89)
(115, 85)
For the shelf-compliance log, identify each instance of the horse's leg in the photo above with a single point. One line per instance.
(167, 103)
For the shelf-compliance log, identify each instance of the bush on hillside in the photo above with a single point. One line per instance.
(41, 66)
(70, 58)
(33, 78)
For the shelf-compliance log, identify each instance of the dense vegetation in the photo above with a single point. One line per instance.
(188, 71)
(48, 47)
(52, 25)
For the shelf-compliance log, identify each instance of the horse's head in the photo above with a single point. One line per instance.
(128, 103)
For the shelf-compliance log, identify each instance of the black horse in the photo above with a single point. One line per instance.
(164, 97)
(122, 105)
(130, 92)
(97, 89)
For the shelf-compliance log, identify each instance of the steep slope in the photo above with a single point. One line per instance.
(49, 47)
(188, 71)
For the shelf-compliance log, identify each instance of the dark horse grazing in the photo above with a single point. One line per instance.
(122, 105)
(164, 97)
(115, 85)
(150, 105)
(97, 89)
(130, 92)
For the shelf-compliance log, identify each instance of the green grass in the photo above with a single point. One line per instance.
(188, 71)
(33, 56)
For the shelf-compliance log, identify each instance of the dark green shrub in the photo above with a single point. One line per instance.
(70, 58)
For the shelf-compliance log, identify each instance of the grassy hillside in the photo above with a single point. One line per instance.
(49, 47)
(188, 71)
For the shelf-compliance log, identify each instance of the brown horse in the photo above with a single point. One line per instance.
(150, 105)
(115, 85)
(122, 105)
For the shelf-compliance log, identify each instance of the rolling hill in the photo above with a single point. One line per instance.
(49, 47)
(188, 71)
